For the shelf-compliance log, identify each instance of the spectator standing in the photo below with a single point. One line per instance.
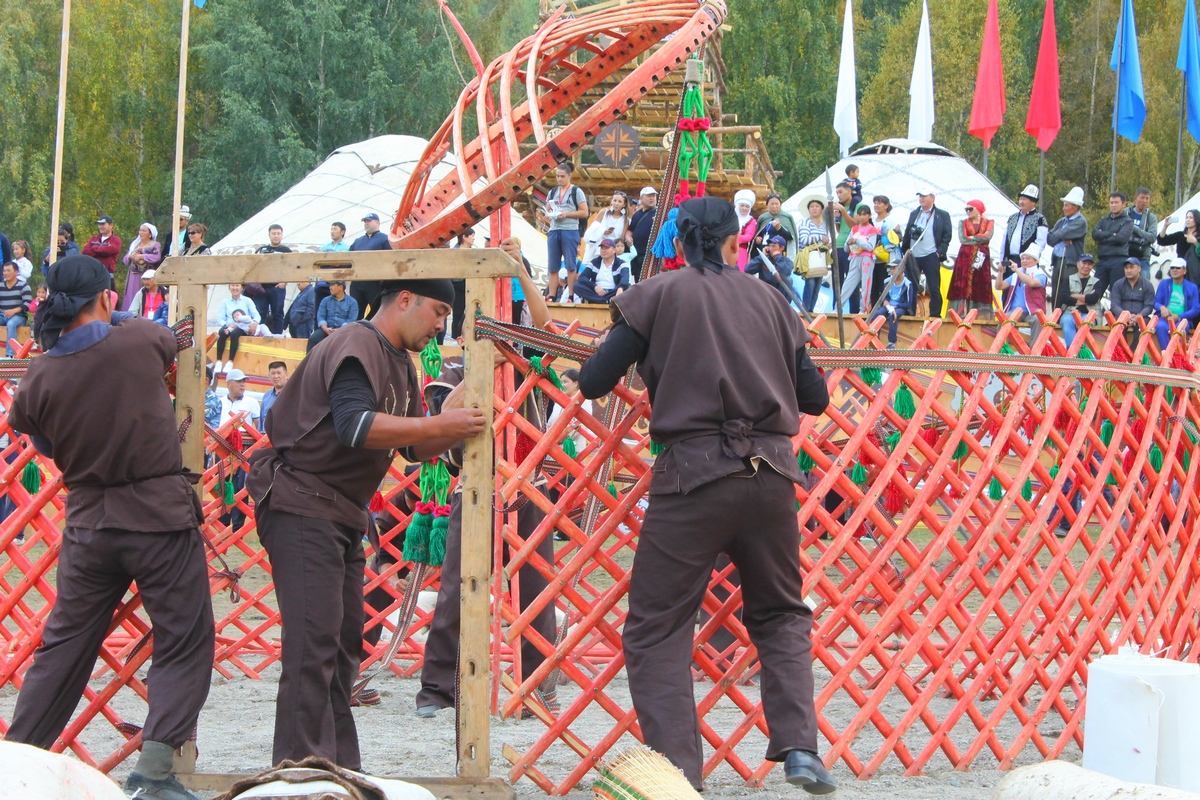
(843, 220)
(900, 299)
(1112, 235)
(466, 240)
(15, 299)
(1025, 290)
(66, 246)
(237, 303)
(20, 257)
(366, 293)
(1067, 237)
(1145, 226)
(927, 238)
(1134, 294)
(971, 285)
(337, 244)
(1177, 301)
(195, 234)
(1079, 286)
(277, 371)
(860, 247)
(604, 278)
(891, 232)
(185, 220)
(269, 299)
(637, 235)
(811, 233)
(144, 253)
(743, 202)
(777, 222)
(335, 311)
(242, 408)
(566, 205)
(608, 223)
(105, 246)
(1186, 242)
(1026, 227)
(512, 246)
(151, 297)
(302, 314)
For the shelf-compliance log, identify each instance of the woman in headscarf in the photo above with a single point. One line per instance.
(971, 285)
(144, 253)
(1186, 241)
(777, 222)
(743, 201)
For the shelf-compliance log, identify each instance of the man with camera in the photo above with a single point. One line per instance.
(927, 237)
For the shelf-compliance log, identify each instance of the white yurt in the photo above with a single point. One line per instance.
(355, 180)
(898, 168)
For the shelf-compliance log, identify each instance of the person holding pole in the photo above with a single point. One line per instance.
(1067, 238)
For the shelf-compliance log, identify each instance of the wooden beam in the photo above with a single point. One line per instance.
(190, 378)
(366, 265)
(442, 788)
(478, 486)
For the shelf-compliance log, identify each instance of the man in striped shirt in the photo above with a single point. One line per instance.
(15, 298)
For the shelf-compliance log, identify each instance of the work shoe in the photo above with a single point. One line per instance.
(805, 770)
(140, 787)
(428, 712)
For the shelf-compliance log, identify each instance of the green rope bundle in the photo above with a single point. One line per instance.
(903, 403)
(1106, 432)
(1156, 459)
(871, 375)
(893, 440)
(961, 451)
(1054, 472)
(228, 496)
(995, 490)
(431, 360)
(425, 537)
(568, 447)
(1027, 490)
(656, 448)
(31, 478)
(858, 474)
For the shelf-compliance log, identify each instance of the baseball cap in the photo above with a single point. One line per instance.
(105, 218)
(1088, 257)
(1178, 263)
(926, 191)
(607, 243)
(779, 240)
(1133, 260)
(647, 190)
(235, 375)
(148, 274)
(372, 215)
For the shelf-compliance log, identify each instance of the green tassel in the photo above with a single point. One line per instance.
(903, 403)
(1111, 480)
(1187, 460)
(1086, 353)
(858, 474)
(568, 448)
(893, 440)
(870, 375)
(416, 538)
(1170, 396)
(1054, 472)
(612, 489)
(1006, 350)
(1156, 459)
(804, 461)
(437, 540)
(656, 448)
(230, 495)
(31, 478)
(1141, 396)
(431, 359)
(1027, 490)
(1106, 432)
(995, 490)
(961, 451)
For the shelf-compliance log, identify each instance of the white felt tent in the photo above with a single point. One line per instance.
(354, 180)
(898, 168)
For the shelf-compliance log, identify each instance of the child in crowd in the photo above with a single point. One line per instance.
(861, 248)
(856, 192)
(898, 300)
(243, 321)
(625, 252)
(41, 295)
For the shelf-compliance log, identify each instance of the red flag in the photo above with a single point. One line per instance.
(1045, 105)
(987, 109)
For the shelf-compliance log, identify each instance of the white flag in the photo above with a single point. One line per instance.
(920, 90)
(845, 110)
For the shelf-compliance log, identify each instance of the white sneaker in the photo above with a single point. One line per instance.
(228, 366)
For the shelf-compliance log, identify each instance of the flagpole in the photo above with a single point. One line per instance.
(1041, 177)
(1112, 180)
(834, 265)
(985, 164)
(1179, 142)
(60, 130)
(180, 108)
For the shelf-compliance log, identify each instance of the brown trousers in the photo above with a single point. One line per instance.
(440, 671)
(318, 568)
(753, 520)
(95, 569)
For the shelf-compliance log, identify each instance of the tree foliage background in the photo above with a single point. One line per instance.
(276, 85)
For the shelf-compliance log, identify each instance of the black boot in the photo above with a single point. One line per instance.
(140, 787)
(805, 770)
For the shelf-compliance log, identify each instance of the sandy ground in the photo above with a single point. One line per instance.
(237, 722)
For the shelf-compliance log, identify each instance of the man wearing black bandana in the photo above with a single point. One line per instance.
(132, 515)
(335, 430)
(723, 358)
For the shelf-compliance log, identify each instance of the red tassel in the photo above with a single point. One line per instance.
(701, 188)
(524, 447)
(1138, 429)
(235, 440)
(422, 507)
(1063, 419)
(1180, 361)
(861, 531)
(893, 499)
(439, 511)
(683, 193)
(1127, 462)
(1048, 350)
(376, 504)
(1120, 356)
(1071, 430)
(931, 436)
(1029, 426)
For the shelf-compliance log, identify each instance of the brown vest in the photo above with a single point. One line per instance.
(107, 412)
(721, 373)
(307, 471)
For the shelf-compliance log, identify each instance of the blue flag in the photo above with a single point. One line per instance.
(200, 3)
(1189, 64)
(1129, 110)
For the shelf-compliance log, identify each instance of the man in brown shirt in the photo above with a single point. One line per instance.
(723, 358)
(335, 430)
(132, 515)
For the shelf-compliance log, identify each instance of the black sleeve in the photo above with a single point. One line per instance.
(623, 348)
(352, 403)
(812, 393)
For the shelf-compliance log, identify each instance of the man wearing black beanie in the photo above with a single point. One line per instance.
(335, 429)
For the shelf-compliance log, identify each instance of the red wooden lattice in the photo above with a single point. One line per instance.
(951, 619)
